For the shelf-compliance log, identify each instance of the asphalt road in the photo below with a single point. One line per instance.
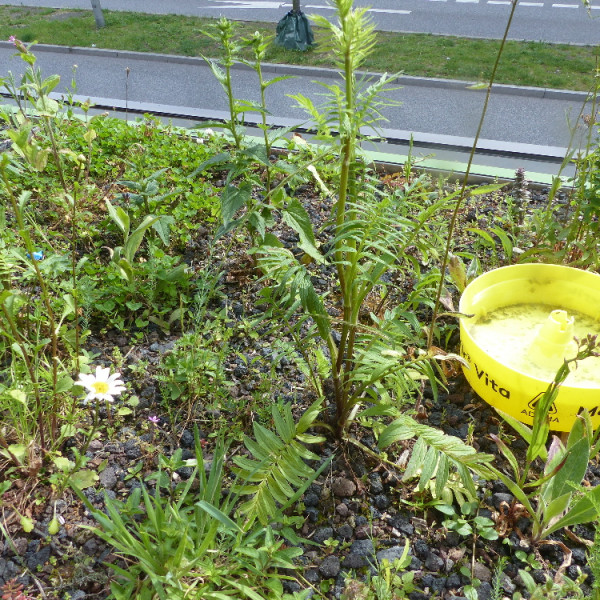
(565, 21)
(515, 115)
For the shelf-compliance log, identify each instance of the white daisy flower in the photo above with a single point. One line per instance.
(102, 385)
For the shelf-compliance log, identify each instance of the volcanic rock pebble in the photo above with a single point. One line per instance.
(434, 563)
(390, 554)
(481, 572)
(342, 487)
(330, 566)
(499, 498)
(322, 534)
(362, 553)
(108, 478)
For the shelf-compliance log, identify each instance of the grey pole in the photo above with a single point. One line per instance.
(296, 5)
(98, 16)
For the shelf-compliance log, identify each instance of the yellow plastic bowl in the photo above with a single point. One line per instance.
(513, 389)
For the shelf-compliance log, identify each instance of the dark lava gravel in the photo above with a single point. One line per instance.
(357, 514)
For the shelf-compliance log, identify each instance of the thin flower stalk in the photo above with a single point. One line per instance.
(45, 295)
(463, 189)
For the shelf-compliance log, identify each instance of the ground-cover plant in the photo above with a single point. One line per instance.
(187, 543)
(41, 334)
(578, 240)
(195, 540)
(467, 522)
(251, 164)
(223, 33)
(194, 371)
(391, 580)
(160, 536)
(54, 278)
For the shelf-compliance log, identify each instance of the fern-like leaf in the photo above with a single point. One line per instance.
(277, 473)
(434, 452)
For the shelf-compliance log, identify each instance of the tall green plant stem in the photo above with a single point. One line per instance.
(263, 102)
(55, 153)
(43, 287)
(225, 29)
(463, 189)
(580, 224)
(259, 46)
(351, 42)
(234, 130)
(347, 174)
(74, 270)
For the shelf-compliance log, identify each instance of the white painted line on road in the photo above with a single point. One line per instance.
(565, 6)
(504, 2)
(531, 4)
(377, 10)
(249, 4)
(386, 10)
(261, 4)
(467, 1)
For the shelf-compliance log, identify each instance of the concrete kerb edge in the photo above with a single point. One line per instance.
(319, 72)
(388, 162)
(394, 136)
(432, 163)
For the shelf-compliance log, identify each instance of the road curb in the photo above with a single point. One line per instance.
(396, 145)
(318, 72)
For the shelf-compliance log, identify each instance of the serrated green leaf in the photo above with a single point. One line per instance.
(163, 228)
(416, 459)
(297, 218)
(233, 199)
(430, 462)
(441, 475)
(84, 478)
(63, 463)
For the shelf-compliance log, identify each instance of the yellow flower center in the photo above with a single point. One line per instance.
(100, 387)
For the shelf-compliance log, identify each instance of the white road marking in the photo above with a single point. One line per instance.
(250, 4)
(278, 5)
(379, 10)
(262, 4)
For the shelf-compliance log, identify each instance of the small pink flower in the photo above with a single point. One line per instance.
(19, 45)
(154, 419)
